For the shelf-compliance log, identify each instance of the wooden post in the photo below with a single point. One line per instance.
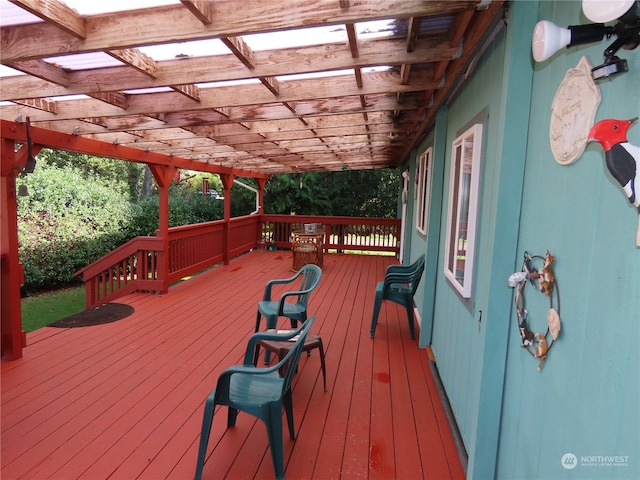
(163, 174)
(261, 183)
(227, 183)
(11, 271)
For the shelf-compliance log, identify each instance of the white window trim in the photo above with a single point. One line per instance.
(423, 172)
(463, 280)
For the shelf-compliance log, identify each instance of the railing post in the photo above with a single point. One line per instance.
(11, 271)
(227, 183)
(163, 174)
(12, 162)
(260, 182)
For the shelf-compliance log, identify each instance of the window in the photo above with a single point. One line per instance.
(423, 187)
(462, 209)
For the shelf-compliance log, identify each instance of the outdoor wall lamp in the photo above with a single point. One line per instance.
(548, 38)
(30, 164)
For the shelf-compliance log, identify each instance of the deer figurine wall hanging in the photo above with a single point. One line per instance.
(538, 344)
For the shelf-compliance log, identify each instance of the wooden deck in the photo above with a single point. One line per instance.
(124, 400)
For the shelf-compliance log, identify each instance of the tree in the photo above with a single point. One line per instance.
(370, 193)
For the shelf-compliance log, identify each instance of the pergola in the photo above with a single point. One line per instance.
(341, 84)
(239, 88)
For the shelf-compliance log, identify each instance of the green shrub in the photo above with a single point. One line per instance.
(67, 221)
(183, 210)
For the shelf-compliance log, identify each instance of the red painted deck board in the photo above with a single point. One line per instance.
(124, 400)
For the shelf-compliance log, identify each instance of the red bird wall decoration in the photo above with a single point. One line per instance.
(622, 158)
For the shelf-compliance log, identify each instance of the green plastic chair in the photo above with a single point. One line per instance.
(296, 308)
(399, 285)
(261, 392)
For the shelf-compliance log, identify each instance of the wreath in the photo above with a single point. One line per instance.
(542, 279)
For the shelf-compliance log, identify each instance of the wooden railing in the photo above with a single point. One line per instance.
(357, 234)
(132, 266)
(243, 234)
(138, 264)
(192, 248)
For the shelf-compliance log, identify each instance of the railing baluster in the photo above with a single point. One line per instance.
(101, 293)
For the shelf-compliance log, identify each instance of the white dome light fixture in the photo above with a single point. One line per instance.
(549, 38)
(603, 11)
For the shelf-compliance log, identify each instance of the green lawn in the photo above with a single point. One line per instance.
(42, 309)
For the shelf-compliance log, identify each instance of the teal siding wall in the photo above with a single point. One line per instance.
(419, 244)
(517, 422)
(586, 400)
(418, 241)
(437, 139)
(459, 336)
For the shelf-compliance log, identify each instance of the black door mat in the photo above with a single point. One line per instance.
(105, 313)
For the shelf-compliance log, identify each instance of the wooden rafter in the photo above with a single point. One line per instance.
(121, 31)
(56, 14)
(199, 69)
(279, 121)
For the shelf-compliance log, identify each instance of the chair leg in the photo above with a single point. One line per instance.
(324, 372)
(256, 355)
(409, 306)
(231, 417)
(258, 322)
(272, 323)
(294, 321)
(207, 420)
(288, 408)
(274, 432)
(376, 312)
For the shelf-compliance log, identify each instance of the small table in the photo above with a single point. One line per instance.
(307, 248)
(281, 348)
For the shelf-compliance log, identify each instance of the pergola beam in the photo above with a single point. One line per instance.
(74, 143)
(198, 69)
(173, 23)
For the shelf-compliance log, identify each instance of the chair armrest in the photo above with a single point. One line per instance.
(414, 267)
(256, 337)
(248, 369)
(224, 380)
(278, 281)
(240, 369)
(398, 269)
(397, 278)
(286, 295)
